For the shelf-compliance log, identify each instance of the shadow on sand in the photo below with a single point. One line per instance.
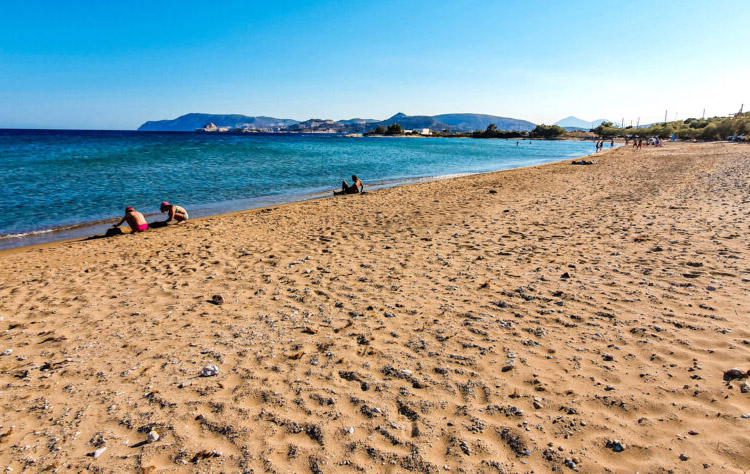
(116, 231)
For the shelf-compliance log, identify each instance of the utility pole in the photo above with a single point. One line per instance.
(622, 124)
(740, 112)
(665, 116)
(704, 114)
(638, 124)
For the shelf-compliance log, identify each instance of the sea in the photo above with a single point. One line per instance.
(65, 184)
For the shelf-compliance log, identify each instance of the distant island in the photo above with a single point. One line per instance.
(421, 124)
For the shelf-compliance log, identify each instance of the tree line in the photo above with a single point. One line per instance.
(715, 128)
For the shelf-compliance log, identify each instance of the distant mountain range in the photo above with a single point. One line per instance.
(191, 122)
(574, 123)
(452, 122)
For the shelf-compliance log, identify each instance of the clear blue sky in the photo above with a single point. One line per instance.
(113, 65)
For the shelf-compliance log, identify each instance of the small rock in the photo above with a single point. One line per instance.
(153, 436)
(684, 457)
(351, 430)
(209, 371)
(608, 357)
(746, 415)
(711, 288)
(615, 445)
(217, 300)
(565, 276)
(734, 373)
(7, 352)
(744, 387)
(184, 384)
(99, 452)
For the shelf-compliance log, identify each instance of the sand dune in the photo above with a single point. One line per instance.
(555, 317)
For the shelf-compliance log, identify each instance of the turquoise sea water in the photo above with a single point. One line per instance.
(52, 181)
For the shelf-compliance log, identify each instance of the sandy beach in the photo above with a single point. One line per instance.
(557, 317)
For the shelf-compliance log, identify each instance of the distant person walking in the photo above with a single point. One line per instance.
(135, 220)
(175, 212)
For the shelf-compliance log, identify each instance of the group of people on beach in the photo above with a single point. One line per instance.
(138, 223)
(638, 141)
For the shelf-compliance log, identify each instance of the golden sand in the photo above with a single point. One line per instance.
(523, 320)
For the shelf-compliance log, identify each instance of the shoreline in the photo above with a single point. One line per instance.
(525, 319)
(48, 236)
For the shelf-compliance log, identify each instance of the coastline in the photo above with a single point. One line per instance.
(521, 319)
(93, 229)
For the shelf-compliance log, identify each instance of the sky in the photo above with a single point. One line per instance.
(114, 65)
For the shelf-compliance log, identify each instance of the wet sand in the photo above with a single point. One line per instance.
(559, 316)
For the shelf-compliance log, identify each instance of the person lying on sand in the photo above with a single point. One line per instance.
(135, 220)
(356, 187)
(176, 213)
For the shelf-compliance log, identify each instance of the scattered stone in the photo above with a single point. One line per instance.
(565, 276)
(184, 384)
(218, 300)
(99, 452)
(153, 436)
(209, 371)
(608, 357)
(351, 430)
(684, 457)
(205, 454)
(744, 387)
(465, 448)
(7, 352)
(615, 445)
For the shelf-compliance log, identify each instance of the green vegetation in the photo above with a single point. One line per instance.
(493, 132)
(547, 131)
(716, 128)
(394, 129)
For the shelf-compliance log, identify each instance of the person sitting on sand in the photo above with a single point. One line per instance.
(355, 188)
(176, 213)
(135, 220)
